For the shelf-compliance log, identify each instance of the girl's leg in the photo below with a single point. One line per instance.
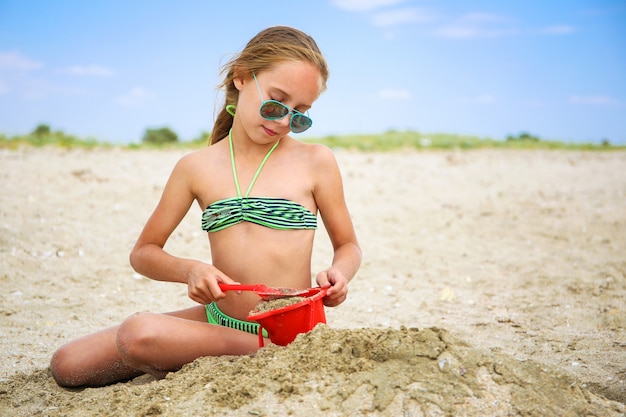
(157, 344)
(95, 360)
(92, 360)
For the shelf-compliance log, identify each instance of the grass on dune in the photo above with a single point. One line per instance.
(383, 142)
(394, 140)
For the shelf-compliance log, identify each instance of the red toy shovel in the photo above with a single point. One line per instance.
(269, 293)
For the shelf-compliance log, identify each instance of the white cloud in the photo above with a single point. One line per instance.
(15, 60)
(90, 70)
(41, 88)
(558, 30)
(136, 96)
(363, 5)
(400, 16)
(593, 100)
(472, 31)
(480, 99)
(390, 93)
(478, 25)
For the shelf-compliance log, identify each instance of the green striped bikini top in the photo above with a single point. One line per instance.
(272, 212)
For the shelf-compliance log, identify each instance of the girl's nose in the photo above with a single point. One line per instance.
(285, 121)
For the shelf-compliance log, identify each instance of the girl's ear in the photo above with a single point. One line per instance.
(239, 77)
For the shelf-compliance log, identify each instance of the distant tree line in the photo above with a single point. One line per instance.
(527, 137)
(159, 136)
(165, 135)
(44, 135)
(523, 137)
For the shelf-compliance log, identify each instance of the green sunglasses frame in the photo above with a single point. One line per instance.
(299, 128)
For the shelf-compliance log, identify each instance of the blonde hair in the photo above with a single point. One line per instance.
(268, 48)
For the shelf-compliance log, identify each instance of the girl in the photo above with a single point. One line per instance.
(260, 191)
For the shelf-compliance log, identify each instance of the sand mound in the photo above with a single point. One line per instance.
(517, 253)
(329, 372)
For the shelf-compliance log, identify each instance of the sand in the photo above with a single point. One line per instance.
(276, 304)
(493, 283)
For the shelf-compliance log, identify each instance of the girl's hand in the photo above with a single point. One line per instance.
(337, 285)
(203, 283)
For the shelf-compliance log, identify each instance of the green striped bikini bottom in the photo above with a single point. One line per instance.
(216, 316)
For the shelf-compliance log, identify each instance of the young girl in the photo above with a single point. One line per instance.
(260, 191)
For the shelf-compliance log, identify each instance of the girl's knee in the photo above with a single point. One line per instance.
(63, 367)
(135, 337)
(92, 360)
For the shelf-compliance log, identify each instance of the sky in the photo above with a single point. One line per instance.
(489, 68)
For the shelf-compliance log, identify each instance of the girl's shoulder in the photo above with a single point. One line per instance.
(202, 170)
(200, 163)
(314, 152)
(316, 160)
(202, 156)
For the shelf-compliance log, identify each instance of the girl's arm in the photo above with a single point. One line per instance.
(331, 203)
(148, 257)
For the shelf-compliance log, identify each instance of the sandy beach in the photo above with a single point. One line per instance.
(492, 284)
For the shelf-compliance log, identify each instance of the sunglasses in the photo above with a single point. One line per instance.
(275, 110)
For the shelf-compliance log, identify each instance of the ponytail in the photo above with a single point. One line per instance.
(223, 123)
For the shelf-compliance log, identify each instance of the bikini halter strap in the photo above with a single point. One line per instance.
(258, 171)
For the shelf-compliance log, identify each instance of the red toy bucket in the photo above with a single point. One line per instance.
(284, 324)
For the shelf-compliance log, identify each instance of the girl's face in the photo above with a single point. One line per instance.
(296, 84)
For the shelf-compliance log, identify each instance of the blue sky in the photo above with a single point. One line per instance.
(111, 69)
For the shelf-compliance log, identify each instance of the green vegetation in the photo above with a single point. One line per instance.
(159, 136)
(164, 137)
(42, 135)
(523, 137)
(394, 140)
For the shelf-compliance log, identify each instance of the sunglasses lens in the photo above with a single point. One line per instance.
(272, 110)
(300, 123)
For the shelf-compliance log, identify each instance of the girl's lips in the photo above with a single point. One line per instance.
(269, 132)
